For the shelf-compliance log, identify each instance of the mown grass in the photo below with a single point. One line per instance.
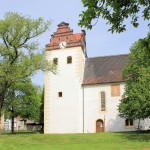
(97, 141)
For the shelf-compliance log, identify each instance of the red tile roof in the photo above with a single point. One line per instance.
(106, 69)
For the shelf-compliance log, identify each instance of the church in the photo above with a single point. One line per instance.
(83, 96)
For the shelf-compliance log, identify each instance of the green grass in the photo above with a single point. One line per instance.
(97, 141)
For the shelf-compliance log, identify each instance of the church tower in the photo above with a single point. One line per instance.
(63, 104)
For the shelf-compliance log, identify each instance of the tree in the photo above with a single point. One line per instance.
(23, 99)
(19, 55)
(41, 118)
(115, 12)
(135, 103)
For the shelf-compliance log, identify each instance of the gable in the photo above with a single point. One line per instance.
(65, 34)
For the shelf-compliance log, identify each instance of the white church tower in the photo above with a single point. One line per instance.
(63, 105)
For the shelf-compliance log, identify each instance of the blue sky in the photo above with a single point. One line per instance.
(100, 42)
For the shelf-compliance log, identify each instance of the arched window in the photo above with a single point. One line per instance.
(103, 101)
(55, 61)
(69, 60)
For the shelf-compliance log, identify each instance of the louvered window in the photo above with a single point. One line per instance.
(103, 101)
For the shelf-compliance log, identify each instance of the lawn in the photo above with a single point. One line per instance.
(97, 141)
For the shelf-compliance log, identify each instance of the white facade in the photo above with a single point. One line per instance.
(63, 114)
(92, 109)
(78, 108)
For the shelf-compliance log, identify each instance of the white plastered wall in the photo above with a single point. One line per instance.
(64, 114)
(92, 110)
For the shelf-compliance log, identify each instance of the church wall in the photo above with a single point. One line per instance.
(69, 106)
(63, 114)
(92, 109)
(79, 108)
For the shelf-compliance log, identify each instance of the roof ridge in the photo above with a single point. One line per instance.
(108, 56)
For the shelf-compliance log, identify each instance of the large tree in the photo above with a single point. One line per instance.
(19, 55)
(23, 99)
(115, 12)
(135, 103)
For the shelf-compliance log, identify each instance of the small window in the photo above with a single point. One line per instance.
(129, 122)
(55, 61)
(103, 101)
(69, 60)
(115, 90)
(59, 94)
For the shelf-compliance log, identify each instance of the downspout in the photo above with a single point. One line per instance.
(85, 53)
(83, 107)
(104, 123)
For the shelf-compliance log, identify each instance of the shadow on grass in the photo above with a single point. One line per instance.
(22, 132)
(142, 136)
(136, 135)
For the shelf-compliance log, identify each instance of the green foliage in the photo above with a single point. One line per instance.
(135, 102)
(115, 12)
(23, 99)
(19, 54)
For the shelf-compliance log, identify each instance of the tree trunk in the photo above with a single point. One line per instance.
(0, 124)
(12, 124)
(138, 127)
(12, 121)
(42, 129)
(2, 95)
(139, 124)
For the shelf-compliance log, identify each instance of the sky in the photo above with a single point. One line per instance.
(99, 41)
